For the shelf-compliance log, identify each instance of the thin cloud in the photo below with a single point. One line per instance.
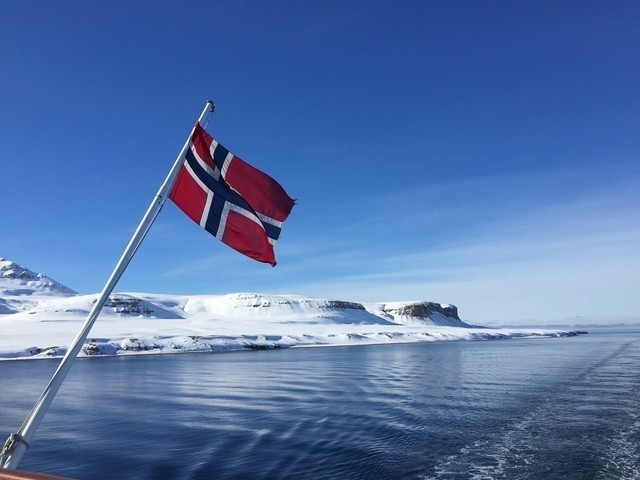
(549, 261)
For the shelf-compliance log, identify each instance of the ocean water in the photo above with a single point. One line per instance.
(565, 408)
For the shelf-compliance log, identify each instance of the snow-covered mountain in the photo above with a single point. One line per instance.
(18, 280)
(21, 289)
(24, 292)
(39, 317)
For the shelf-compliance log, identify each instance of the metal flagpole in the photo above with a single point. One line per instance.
(17, 443)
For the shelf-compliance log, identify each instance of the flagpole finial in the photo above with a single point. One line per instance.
(212, 107)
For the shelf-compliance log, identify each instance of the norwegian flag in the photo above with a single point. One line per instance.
(230, 199)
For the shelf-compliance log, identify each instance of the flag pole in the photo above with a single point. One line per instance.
(18, 442)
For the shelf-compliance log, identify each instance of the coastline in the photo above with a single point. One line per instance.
(283, 336)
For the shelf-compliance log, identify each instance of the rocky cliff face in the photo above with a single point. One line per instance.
(423, 310)
(129, 305)
(424, 313)
(254, 300)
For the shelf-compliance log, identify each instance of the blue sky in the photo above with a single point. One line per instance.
(480, 153)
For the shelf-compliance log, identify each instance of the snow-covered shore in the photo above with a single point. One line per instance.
(39, 318)
(40, 338)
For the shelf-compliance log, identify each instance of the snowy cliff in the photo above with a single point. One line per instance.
(23, 292)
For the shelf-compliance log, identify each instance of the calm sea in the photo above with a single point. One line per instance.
(515, 409)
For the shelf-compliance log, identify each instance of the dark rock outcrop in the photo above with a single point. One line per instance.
(423, 310)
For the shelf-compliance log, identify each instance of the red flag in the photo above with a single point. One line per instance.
(229, 198)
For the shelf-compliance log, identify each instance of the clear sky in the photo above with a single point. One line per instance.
(480, 153)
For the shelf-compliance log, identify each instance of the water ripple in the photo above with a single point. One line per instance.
(558, 408)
